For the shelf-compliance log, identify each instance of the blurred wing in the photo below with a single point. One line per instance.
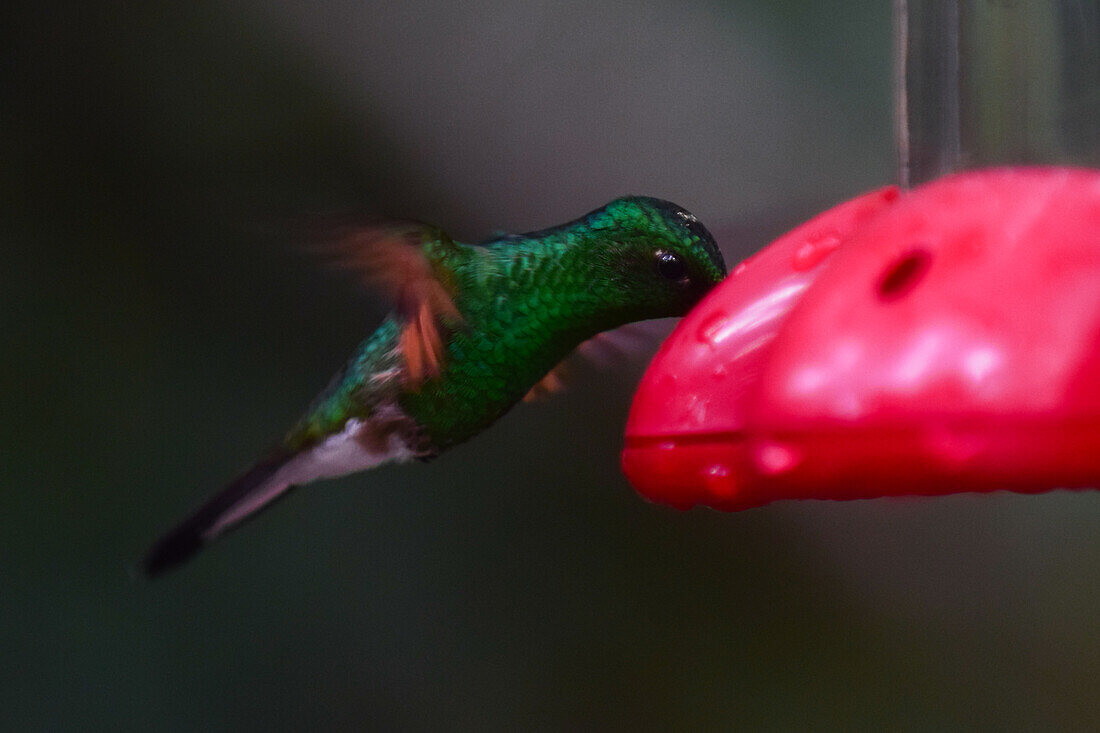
(605, 350)
(554, 381)
(392, 259)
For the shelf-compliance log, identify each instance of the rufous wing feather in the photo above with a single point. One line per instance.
(392, 259)
(553, 382)
(604, 350)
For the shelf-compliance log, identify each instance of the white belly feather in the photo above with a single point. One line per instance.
(340, 454)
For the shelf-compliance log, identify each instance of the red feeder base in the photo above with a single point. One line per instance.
(931, 342)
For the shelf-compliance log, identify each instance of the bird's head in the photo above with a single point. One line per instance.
(651, 257)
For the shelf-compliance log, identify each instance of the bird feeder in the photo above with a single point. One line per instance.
(932, 341)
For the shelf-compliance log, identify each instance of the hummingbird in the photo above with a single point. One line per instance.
(474, 328)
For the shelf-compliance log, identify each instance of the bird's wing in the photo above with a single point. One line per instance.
(604, 350)
(554, 381)
(392, 259)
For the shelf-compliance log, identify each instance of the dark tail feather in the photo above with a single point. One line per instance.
(242, 499)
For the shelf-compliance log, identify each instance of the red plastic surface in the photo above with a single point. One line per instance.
(693, 400)
(950, 343)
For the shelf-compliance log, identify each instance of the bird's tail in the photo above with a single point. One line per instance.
(254, 490)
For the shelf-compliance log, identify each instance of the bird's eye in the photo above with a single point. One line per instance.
(670, 266)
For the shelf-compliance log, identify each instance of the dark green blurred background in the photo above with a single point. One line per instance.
(161, 324)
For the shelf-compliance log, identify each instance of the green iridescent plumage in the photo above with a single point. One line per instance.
(526, 302)
(515, 306)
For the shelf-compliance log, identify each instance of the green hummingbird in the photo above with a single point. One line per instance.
(475, 327)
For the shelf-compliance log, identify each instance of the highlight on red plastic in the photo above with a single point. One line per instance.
(942, 340)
